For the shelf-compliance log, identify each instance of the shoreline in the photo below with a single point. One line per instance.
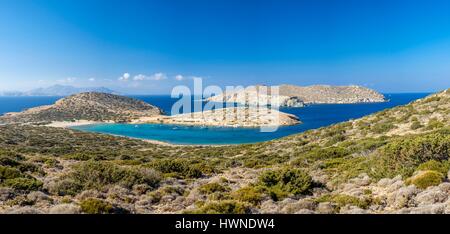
(77, 123)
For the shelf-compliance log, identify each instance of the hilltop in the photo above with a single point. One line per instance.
(393, 161)
(296, 96)
(86, 106)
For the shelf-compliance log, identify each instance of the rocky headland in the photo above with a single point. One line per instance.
(227, 117)
(90, 106)
(93, 107)
(297, 96)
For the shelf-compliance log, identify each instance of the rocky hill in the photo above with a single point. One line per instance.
(296, 96)
(86, 106)
(393, 161)
(325, 94)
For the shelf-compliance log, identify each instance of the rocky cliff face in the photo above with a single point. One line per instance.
(86, 106)
(297, 96)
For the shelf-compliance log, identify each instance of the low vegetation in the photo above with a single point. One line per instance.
(97, 175)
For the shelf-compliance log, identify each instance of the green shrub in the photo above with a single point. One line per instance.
(296, 181)
(367, 144)
(382, 127)
(433, 165)
(96, 206)
(213, 188)
(25, 184)
(426, 179)
(434, 124)
(79, 156)
(270, 178)
(24, 167)
(248, 194)
(8, 161)
(96, 175)
(362, 125)
(416, 125)
(432, 99)
(280, 183)
(341, 200)
(336, 139)
(224, 207)
(9, 173)
(178, 167)
(326, 153)
(403, 155)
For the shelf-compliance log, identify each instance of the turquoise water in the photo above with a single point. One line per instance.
(313, 116)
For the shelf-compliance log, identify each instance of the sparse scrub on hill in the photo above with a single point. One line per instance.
(382, 127)
(434, 124)
(213, 188)
(23, 183)
(250, 194)
(402, 155)
(96, 206)
(281, 183)
(97, 175)
(341, 200)
(223, 207)
(180, 168)
(443, 166)
(416, 125)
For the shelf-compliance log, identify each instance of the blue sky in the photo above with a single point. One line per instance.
(391, 46)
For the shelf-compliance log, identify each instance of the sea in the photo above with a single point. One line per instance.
(312, 117)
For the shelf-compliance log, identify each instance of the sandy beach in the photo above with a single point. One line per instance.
(68, 124)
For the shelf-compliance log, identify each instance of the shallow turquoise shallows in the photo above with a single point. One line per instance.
(313, 116)
(177, 134)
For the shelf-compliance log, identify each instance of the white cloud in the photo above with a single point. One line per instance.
(156, 76)
(159, 76)
(125, 77)
(179, 77)
(140, 77)
(92, 79)
(67, 80)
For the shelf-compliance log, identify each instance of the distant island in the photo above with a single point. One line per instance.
(57, 90)
(107, 107)
(297, 96)
(104, 107)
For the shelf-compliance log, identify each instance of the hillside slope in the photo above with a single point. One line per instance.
(86, 106)
(394, 161)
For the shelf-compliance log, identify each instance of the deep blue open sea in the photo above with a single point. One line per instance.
(312, 116)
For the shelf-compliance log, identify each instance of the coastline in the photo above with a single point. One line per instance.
(69, 124)
(77, 123)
